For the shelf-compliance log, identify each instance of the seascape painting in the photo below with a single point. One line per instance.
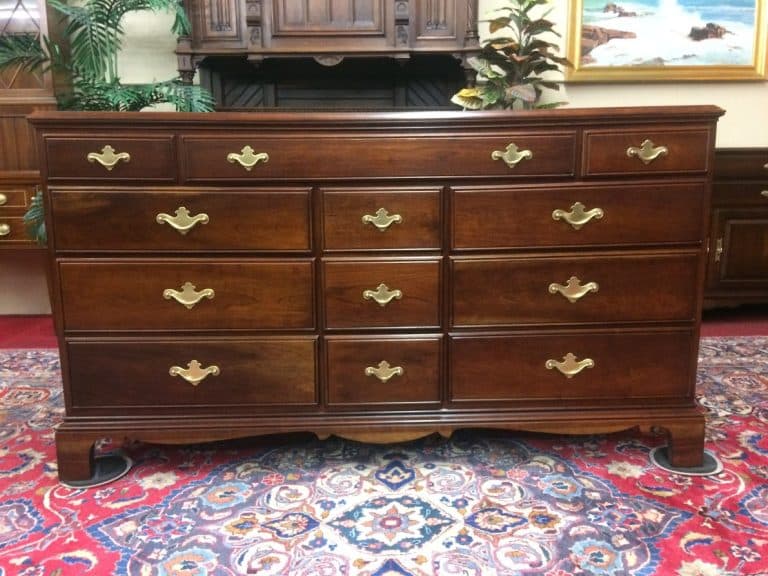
(669, 35)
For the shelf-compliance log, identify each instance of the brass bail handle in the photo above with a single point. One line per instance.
(382, 295)
(247, 158)
(578, 216)
(194, 373)
(188, 295)
(382, 219)
(569, 366)
(183, 221)
(573, 290)
(512, 155)
(384, 371)
(108, 158)
(647, 152)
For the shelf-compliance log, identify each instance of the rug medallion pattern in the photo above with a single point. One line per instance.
(482, 503)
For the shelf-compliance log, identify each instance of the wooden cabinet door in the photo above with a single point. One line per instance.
(739, 251)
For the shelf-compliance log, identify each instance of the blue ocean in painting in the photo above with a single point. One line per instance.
(659, 31)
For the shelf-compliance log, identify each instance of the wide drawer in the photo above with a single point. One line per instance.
(346, 156)
(390, 372)
(391, 293)
(646, 151)
(745, 193)
(599, 367)
(105, 157)
(741, 164)
(156, 374)
(566, 289)
(531, 216)
(182, 220)
(377, 219)
(186, 294)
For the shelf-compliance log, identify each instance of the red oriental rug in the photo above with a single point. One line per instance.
(480, 504)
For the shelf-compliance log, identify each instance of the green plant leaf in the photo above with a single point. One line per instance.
(34, 219)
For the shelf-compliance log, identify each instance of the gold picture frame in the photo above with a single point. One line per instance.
(608, 43)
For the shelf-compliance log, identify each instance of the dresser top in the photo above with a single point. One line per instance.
(342, 120)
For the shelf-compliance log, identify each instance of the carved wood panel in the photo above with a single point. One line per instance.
(328, 16)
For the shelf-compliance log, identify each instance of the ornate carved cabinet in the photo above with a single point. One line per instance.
(362, 53)
(378, 276)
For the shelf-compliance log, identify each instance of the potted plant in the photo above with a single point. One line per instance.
(514, 59)
(87, 59)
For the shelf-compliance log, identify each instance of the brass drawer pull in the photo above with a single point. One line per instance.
(569, 367)
(108, 158)
(384, 371)
(577, 217)
(247, 159)
(573, 290)
(3, 199)
(188, 296)
(512, 155)
(5, 229)
(647, 152)
(194, 373)
(182, 222)
(382, 295)
(718, 249)
(764, 193)
(382, 220)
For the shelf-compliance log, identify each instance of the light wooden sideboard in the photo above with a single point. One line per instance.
(377, 275)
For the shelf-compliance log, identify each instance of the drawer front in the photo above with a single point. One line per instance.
(396, 372)
(607, 288)
(135, 295)
(13, 232)
(622, 152)
(534, 367)
(380, 219)
(740, 193)
(137, 374)
(496, 217)
(13, 198)
(391, 293)
(205, 159)
(741, 164)
(150, 158)
(182, 220)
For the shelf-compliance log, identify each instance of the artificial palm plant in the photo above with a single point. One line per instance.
(87, 58)
(514, 59)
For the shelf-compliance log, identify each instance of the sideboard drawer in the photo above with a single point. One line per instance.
(380, 219)
(539, 216)
(182, 220)
(13, 231)
(383, 371)
(605, 288)
(13, 198)
(392, 293)
(624, 152)
(135, 294)
(249, 372)
(619, 367)
(207, 158)
(140, 158)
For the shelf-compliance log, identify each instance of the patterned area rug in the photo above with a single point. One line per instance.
(480, 504)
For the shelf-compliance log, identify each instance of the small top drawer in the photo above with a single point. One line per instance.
(381, 219)
(181, 220)
(12, 198)
(741, 164)
(97, 158)
(347, 156)
(652, 151)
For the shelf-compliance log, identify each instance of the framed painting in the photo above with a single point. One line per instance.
(666, 40)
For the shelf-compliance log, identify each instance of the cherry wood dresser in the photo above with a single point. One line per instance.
(379, 276)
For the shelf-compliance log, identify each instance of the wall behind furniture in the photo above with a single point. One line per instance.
(148, 55)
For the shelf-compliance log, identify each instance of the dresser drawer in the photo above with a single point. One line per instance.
(524, 368)
(149, 158)
(741, 164)
(378, 293)
(136, 294)
(347, 156)
(744, 193)
(13, 231)
(383, 371)
(13, 198)
(604, 288)
(137, 374)
(381, 219)
(641, 151)
(519, 217)
(182, 220)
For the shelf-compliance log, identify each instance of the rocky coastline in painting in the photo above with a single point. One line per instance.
(667, 33)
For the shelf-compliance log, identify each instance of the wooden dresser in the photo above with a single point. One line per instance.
(738, 259)
(379, 276)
